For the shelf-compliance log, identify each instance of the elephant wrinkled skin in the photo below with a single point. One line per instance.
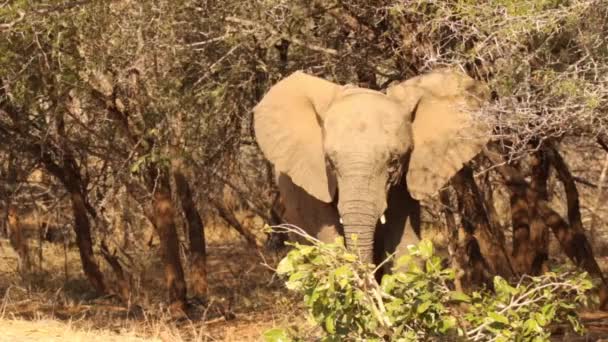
(356, 161)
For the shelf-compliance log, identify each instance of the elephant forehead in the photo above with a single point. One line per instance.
(364, 103)
(366, 120)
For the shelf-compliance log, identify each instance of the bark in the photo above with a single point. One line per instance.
(457, 255)
(476, 224)
(160, 212)
(18, 239)
(163, 218)
(162, 215)
(16, 236)
(157, 182)
(196, 234)
(11, 180)
(69, 175)
(82, 228)
(539, 233)
(123, 278)
(4, 223)
(530, 235)
(572, 196)
(488, 199)
(577, 248)
(523, 253)
(571, 238)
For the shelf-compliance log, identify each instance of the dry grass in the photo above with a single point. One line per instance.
(52, 330)
(50, 306)
(54, 301)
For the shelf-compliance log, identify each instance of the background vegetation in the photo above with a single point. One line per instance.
(126, 135)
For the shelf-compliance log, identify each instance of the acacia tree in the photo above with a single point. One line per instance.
(545, 61)
(156, 97)
(124, 113)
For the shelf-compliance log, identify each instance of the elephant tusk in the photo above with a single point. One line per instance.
(341, 221)
(382, 219)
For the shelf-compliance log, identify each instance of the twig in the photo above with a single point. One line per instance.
(294, 40)
(8, 26)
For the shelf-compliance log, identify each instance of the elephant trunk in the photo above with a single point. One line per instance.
(358, 219)
(362, 202)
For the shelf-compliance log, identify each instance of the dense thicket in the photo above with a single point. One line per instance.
(150, 102)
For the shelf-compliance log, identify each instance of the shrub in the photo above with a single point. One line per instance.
(416, 301)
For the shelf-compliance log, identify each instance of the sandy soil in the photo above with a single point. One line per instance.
(50, 330)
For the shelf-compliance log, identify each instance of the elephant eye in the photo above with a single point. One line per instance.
(394, 167)
(330, 163)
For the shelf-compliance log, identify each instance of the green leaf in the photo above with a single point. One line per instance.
(502, 286)
(495, 316)
(349, 257)
(459, 297)
(425, 248)
(403, 260)
(532, 326)
(330, 324)
(285, 266)
(423, 307)
(276, 335)
(447, 324)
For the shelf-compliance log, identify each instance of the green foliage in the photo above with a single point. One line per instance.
(415, 302)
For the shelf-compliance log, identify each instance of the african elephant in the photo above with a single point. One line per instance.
(351, 160)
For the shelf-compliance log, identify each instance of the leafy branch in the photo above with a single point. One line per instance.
(416, 302)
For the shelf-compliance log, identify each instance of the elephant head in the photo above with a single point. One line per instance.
(329, 138)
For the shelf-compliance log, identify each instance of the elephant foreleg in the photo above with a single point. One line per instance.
(317, 218)
(402, 226)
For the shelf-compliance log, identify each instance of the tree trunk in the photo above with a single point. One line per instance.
(14, 232)
(160, 213)
(82, 228)
(18, 240)
(196, 234)
(577, 248)
(539, 234)
(69, 175)
(476, 223)
(456, 251)
(487, 192)
(572, 197)
(163, 218)
(530, 235)
(572, 239)
(123, 278)
(523, 252)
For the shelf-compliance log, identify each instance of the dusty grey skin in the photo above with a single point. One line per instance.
(356, 161)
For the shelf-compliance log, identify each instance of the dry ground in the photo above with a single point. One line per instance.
(246, 300)
(47, 305)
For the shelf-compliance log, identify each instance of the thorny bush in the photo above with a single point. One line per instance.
(416, 302)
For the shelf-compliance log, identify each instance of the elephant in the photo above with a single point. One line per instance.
(354, 161)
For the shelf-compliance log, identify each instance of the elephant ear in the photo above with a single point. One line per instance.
(445, 132)
(288, 130)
